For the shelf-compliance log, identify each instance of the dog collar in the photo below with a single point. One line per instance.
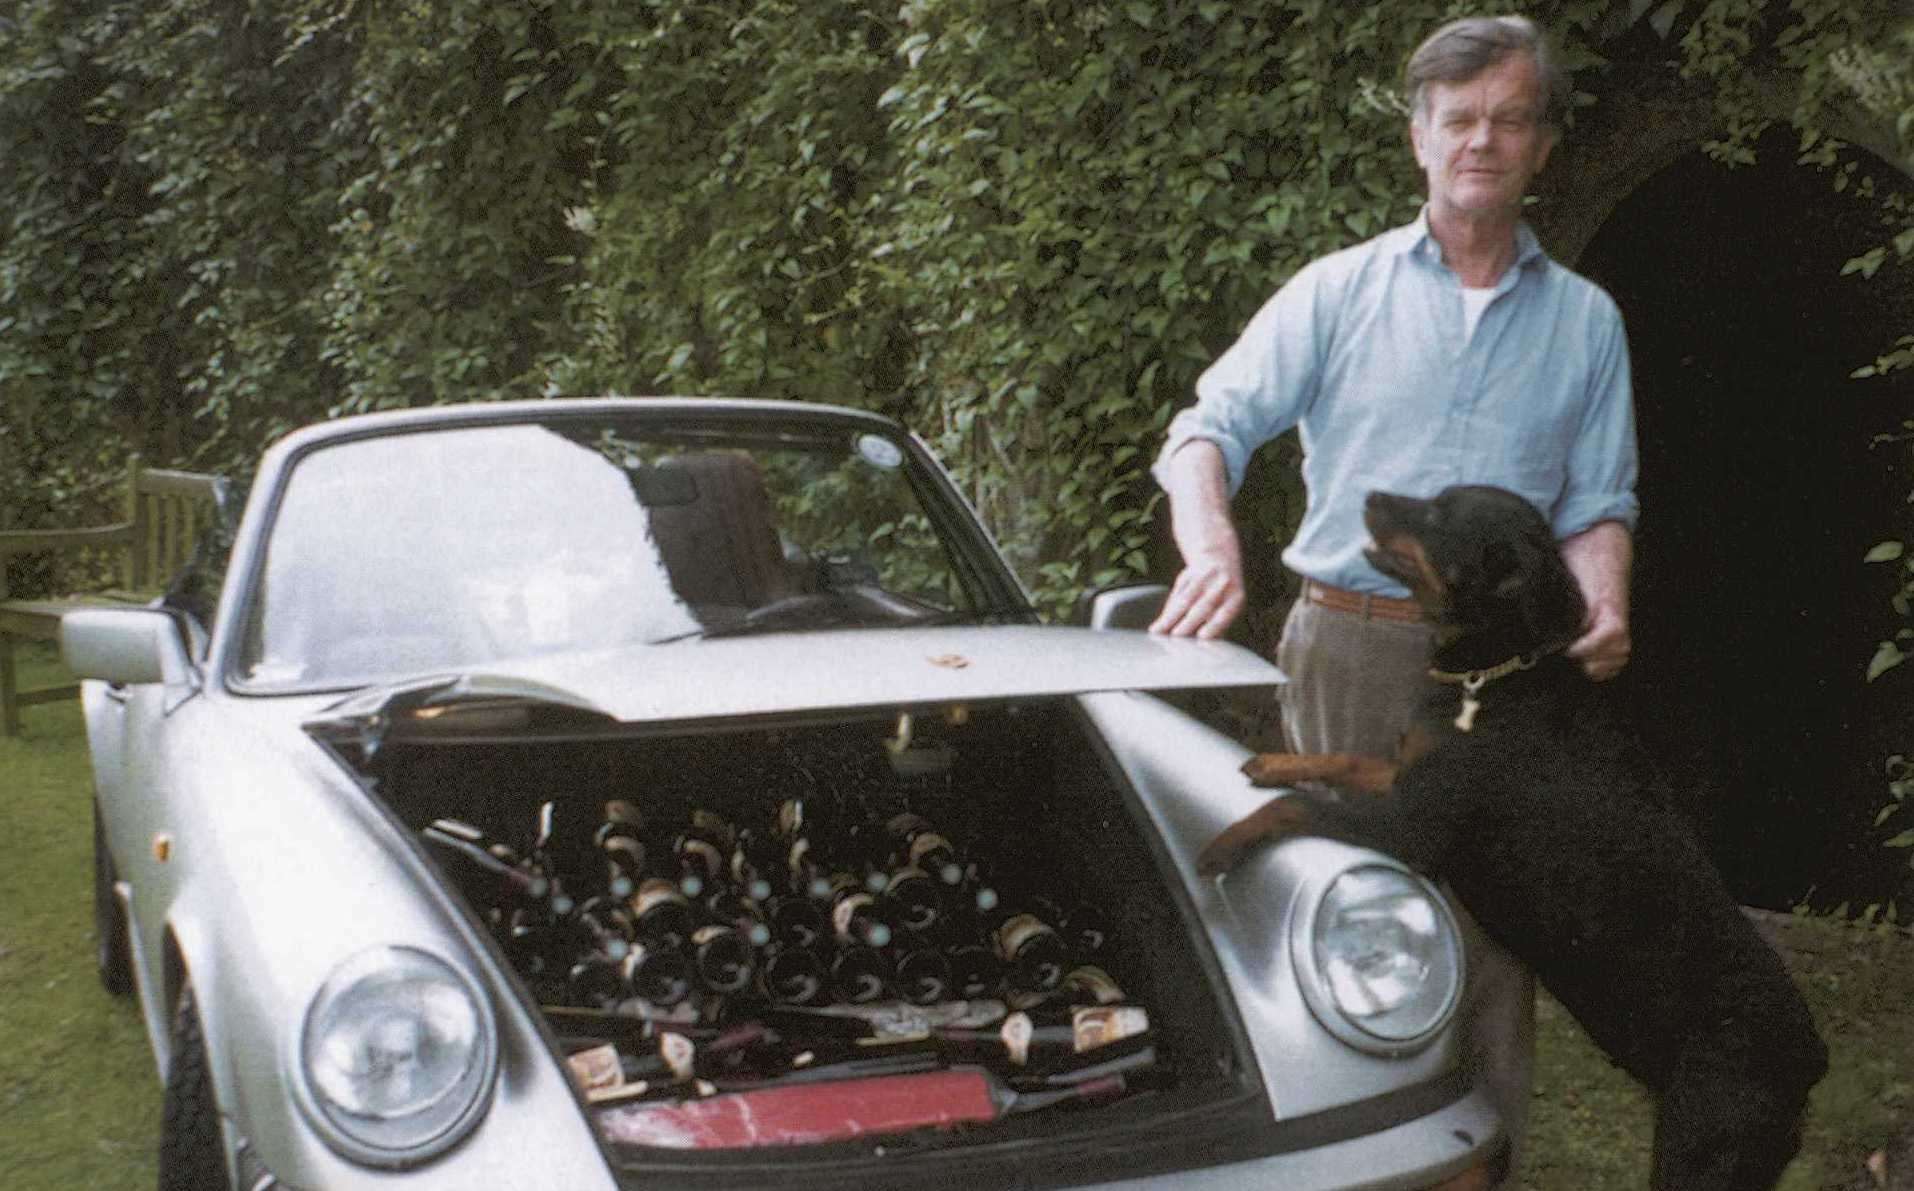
(1472, 681)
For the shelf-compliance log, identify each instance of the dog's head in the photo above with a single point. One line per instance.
(1480, 561)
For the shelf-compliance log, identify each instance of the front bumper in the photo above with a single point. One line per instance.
(1416, 1154)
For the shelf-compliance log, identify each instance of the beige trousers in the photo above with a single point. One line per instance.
(1354, 686)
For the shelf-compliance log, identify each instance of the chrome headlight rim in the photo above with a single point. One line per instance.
(439, 1125)
(1317, 986)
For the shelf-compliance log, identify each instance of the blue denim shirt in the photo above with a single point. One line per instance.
(1364, 352)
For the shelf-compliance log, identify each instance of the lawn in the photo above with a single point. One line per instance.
(79, 1100)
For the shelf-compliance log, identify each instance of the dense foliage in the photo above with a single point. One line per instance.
(1022, 226)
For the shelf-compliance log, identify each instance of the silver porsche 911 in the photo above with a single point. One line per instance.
(684, 793)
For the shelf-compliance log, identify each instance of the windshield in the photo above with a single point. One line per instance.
(446, 549)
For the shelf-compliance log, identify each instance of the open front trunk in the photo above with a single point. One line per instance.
(1061, 1058)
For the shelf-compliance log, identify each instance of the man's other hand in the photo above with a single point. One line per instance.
(1207, 596)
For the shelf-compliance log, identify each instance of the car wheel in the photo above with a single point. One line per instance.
(192, 1151)
(114, 954)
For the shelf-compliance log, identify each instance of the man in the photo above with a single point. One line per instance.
(1451, 350)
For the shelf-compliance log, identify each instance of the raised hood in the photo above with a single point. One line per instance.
(768, 674)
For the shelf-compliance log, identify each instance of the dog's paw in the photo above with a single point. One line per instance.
(1233, 842)
(1272, 769)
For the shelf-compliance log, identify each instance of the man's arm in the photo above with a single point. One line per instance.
(1208, 593)
(1602, 558)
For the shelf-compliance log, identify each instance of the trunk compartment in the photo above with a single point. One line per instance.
(1112, 1048)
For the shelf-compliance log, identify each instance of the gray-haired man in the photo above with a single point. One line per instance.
(1451, 350)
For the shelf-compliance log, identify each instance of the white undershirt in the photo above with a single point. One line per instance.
(1474, 302)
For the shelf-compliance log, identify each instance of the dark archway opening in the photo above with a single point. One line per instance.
(1763, 488)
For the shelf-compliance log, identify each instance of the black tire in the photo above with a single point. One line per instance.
(192, 1150)
(113, 950)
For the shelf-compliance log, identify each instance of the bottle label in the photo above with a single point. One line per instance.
(842, 912)
(1016, 1037)
(904, 876)
(705, 934)
(653, 891)
(1018, 932)
(1100, 1025)
(1094, 983)
(708, 859)
(678, 1052)
(629, 848)
(926, 843)
(596, 1069)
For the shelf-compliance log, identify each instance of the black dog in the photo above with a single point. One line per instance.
(1555, 830)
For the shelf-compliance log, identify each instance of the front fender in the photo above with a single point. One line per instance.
(1189, 778)
(285, 871)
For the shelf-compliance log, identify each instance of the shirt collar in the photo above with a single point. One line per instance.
(1416, 239)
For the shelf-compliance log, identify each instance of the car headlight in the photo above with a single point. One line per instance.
(397, 1057)
(1380, 959)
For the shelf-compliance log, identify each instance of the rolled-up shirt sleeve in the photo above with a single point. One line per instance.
(1261, 385)
(1602, 463)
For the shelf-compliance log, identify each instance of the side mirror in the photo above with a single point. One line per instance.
(126, 647)
(1128, 606)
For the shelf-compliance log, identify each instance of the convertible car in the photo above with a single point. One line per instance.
(684, 793)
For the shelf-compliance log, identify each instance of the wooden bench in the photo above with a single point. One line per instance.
(165, 514)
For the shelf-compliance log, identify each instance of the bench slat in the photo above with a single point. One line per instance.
(29, 541)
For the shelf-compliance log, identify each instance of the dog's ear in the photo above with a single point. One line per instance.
(1551, 605)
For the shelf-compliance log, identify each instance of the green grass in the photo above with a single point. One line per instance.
(1592, 1125)
(79, 1100)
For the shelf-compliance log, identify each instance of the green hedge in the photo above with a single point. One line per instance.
(1022, 225)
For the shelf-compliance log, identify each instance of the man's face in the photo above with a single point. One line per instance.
(1480, 141)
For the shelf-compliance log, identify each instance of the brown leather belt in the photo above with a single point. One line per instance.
(1363, 604)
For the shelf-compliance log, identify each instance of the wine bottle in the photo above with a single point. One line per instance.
(808, 876)
(1084, 927)
(913, 899)
(660, 913)
(528, 944)
(490, 879)
(792, 976)
(699, 860)
(605, 927)
(859, 974)
(975, 971)
(659, 975)
(923, 975)
(855, 917)
(596, 979)
(1057, 1033)
(1033, 955)
(920, 845)
(722, 958)
(730, 906)
(797, 921)
(979, 894)
(749, 868)
(1091, 983)
(622, 847)
(541, 850)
